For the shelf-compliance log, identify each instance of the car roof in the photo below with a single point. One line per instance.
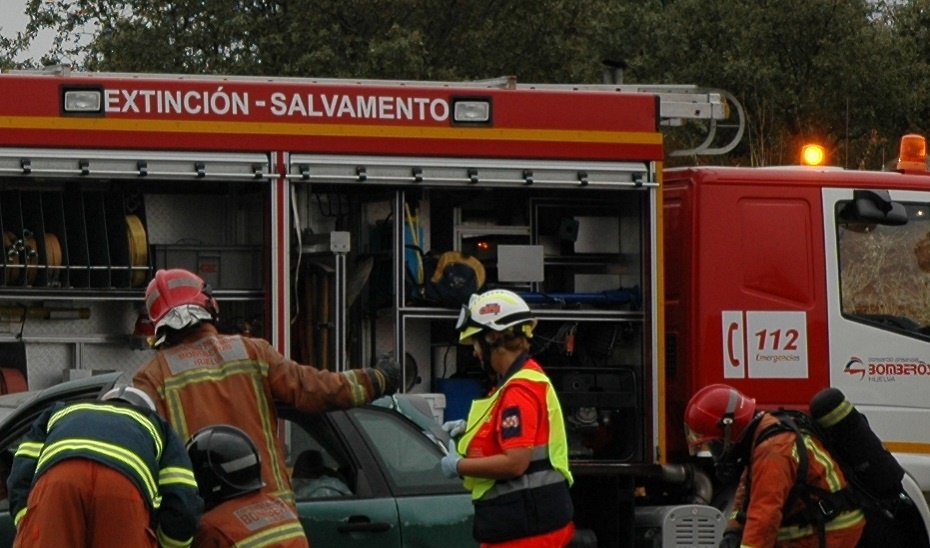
(86, 388)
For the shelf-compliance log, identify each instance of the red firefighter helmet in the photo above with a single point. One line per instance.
(716, 418)
(177, 298)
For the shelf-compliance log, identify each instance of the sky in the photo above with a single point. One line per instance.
(13, 19)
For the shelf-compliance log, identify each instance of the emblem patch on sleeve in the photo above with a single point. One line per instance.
(511, 425)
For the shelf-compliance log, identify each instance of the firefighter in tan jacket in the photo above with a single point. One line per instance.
(773, 505)
(201, 378)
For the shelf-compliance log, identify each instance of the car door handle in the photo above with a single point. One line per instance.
(363, 524)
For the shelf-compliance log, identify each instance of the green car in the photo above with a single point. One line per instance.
(383, 489)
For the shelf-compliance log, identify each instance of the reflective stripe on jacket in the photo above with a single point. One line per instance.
(210, 378)
(774, 468)
(137, 443)
(254, 520)
(556, 453)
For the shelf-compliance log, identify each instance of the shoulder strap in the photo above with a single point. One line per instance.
(820, 505)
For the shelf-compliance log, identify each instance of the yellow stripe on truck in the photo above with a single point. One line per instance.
(908, 447)
(327, 130)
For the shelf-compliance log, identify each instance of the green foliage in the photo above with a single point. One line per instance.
(824, 70)
(851, 74)
(397, 39)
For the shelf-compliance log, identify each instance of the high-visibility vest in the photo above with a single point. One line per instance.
(555, 451)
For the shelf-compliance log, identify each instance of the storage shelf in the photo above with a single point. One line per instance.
(540, 313)
(104, 294)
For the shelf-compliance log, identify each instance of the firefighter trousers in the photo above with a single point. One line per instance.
(81, 503)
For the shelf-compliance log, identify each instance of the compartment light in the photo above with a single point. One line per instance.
(83, 100)
(472, 111)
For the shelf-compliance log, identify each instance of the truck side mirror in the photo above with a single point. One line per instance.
(874, 206)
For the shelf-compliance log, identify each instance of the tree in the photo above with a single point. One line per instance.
(827, 70)
(407, 39)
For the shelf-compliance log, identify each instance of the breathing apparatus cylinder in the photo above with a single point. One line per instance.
(854, 443)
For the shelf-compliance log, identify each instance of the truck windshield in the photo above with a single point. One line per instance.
(885, 271)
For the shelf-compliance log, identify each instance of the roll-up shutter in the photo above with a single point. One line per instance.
(105, 164)
(381, 170)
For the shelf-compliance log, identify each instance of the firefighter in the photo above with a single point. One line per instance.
(200, 377)
(108, 473)
(515, 451)
(237, 513)
(773, 505)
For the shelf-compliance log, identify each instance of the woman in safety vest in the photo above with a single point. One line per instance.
(515, 459)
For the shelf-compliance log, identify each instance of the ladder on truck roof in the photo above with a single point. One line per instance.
(677, 103)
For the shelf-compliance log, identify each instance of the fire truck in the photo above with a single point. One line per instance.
(782, 281)
(314, 210)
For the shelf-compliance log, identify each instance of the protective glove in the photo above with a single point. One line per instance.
(731, 538)
(388, 372)
(450, 463)
(455, 428)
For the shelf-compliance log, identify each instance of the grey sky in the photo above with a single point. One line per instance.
(13, 19)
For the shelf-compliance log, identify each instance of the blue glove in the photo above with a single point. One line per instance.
(455, 428)
(450, 463)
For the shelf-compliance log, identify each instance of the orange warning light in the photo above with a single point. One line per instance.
(912, 155)
(813, 155)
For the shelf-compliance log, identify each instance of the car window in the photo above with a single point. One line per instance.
(408, 457)
(319, 467)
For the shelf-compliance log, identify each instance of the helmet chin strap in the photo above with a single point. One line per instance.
(486, 349)
(726, 421)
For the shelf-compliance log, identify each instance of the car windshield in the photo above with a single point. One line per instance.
(9, 402)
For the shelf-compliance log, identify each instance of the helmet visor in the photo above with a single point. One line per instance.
(700, 445)
(464, 318)
(466, 324)
(697, 441)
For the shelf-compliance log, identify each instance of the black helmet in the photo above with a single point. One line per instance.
(226, 463)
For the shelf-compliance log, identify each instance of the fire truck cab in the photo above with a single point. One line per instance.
(783, 281)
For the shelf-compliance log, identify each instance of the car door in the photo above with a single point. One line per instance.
(367, 516)
(433, 510)
(398, 495)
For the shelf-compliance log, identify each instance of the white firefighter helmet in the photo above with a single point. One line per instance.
(494, 310)
(130, 395)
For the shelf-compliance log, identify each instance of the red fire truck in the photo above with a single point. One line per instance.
(313, 209)
(782, 281)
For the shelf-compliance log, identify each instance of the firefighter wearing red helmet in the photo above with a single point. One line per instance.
(770, 509)
(512, 451)
(200, 377)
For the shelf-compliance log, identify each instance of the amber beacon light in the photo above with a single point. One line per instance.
(912, 155)
(813, 155)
